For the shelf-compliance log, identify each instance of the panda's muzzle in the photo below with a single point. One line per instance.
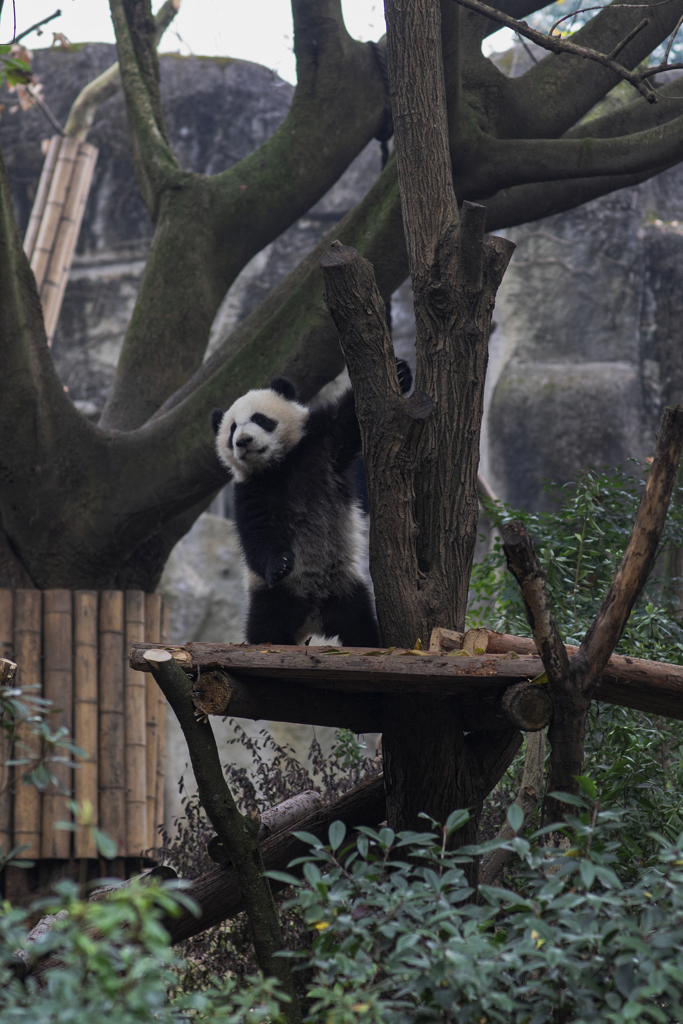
(244, 442)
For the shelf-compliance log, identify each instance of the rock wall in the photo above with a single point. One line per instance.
(590, 339)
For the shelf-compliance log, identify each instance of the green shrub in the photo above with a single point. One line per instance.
(399, 939)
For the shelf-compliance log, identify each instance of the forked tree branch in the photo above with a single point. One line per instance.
(639, 557)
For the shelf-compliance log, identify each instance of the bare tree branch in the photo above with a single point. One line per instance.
(106, 85)
(238, 834)
(508, 163)
(636, 565)
(155, 165)
(556, 44)
(524, 565)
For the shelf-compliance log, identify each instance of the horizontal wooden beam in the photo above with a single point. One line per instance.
(344, 689)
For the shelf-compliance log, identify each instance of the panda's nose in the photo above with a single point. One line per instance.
(244, 441)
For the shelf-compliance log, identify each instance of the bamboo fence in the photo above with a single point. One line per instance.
(71, 647)
(56, 220)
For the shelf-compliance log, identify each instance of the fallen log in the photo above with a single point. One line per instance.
(216, 892)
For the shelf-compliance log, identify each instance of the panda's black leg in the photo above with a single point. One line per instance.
(351, 618)
(275, 616)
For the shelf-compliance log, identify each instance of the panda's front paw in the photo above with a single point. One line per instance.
(279, 567)
(405, 375)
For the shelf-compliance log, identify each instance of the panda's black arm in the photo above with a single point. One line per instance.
(266, 544)
(344, 428)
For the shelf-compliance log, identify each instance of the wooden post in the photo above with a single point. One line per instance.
(58, 688)
(55, 202)
(152, 691)
(6, 651)
(40, 201)
(56, 220)
(85, 712)
(54, 285)
(112, 811)
(27, 651)
(135, 773)
(161, 728)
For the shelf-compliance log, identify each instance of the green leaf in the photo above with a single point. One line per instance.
(336, 833)
(455, 820)
(106, 846)
(515, 817)
(587, 785)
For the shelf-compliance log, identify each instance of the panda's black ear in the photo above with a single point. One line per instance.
(216, 419)
(284, 387)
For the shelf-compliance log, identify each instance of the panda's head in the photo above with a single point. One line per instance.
(260, 428)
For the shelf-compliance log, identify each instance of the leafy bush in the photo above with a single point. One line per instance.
(399, 939)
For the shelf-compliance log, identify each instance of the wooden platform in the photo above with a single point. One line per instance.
(333, 687)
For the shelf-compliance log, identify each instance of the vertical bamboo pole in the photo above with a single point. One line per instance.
(54, 206)
(136, 784)
(27, 651)
(161, 728)
(6, 651)
(111, 746)
(58, 688)
(152, 634)
(85, 712)
(57, 275)
(41, 195)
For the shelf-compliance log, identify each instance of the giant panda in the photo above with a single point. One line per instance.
(296, 514)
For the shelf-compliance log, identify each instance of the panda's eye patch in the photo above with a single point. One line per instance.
(232, 434)
(264, 422)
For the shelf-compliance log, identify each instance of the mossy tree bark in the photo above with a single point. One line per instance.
(101, 507)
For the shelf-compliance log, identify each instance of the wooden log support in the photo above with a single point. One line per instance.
(6, 652)
(152, 635)
(58, 688)
(86, 782)
(112, 718)
(136, 731)
(341, 690)
(28, 635)
(655, 687)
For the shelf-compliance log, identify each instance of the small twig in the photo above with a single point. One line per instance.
(671, 40)
(600, 7)
(46, 110)
(38, 24)
(628, 37)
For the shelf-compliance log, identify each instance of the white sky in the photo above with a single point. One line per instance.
(258, 30)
